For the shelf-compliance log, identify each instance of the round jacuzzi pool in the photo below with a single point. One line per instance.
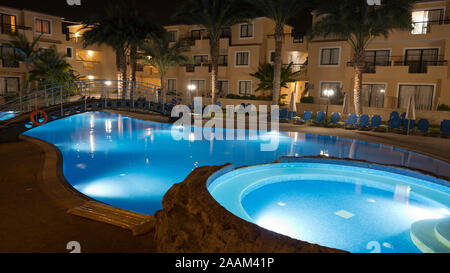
(353, 206)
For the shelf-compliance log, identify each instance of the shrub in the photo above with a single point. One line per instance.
(443, 107)
(307, 99)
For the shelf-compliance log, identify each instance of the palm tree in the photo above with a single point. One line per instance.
(358, 23)
(52, 68)
(26, 52)
(265, 75)
(111, 28)
(163, 54)
(140, 27)
(123, 27)
(215, 16)
(280, 11)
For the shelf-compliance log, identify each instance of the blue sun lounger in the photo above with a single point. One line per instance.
(350, 123)
(395, 123)
(423, 126)
(320, 118)
(307, 115)
(291, 115)
(445, 128)
(335, 118)
(375, 123)
(363, 121)
(411, 124)
(283, 115)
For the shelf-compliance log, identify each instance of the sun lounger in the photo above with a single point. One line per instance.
(364, 121)
(291, 115)
(283, 115)
(350, 123)
(395, 123)
(411, 124)
(375, 123)
(320, 118)
(445, 128)
(423, 126)
(305, 118)
(335, 118)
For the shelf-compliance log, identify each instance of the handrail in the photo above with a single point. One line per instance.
(60, 94)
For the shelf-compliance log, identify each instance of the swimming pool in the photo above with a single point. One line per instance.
(352, 206)
(130, 163)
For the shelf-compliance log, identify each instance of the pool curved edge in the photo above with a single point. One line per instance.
(193, 221)
(55, 186)
(236, 193)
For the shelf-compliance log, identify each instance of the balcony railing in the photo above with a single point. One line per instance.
(10, 29)
(425, 27)
(415, 66)
(420, 66)
(296, 37)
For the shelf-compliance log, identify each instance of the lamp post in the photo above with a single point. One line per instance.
(328, 93)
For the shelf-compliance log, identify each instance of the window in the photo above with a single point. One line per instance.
(335, 86)
(373, 95)
(418, 60)
(42, 26)
(8, 56)
(173, 35)
(226, 33)
(242, 58)
(199, 85)
(375, 58)
(246, 31)
(8, 23)
(222, 86)
(245, 88)
(199, 59)
(272, 56)
(190, 68)
(69, 52)
(223, 60)
(196, 34)
(422, 19)
(329, 56)
(9, 85)
(423, 96)
(172, 84)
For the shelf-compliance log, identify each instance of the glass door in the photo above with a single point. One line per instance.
(419, 59)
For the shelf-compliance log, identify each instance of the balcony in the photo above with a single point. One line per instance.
(427, 27)
(203, 67)
(414, 66)
(10, 29)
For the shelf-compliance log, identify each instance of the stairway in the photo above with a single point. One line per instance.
(432, 235)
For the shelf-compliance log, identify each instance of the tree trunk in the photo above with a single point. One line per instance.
(358, 63)
(133, 59)
(120, 60)
(277, 65)
(357, 90)
(214, 50)
(123, 72)
(163, 88)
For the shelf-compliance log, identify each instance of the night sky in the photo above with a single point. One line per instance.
(161, 10)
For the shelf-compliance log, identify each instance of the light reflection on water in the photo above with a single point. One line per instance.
(107, 145)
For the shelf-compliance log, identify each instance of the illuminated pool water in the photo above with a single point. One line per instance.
(348, 207)
(131, 163)
(8, 115)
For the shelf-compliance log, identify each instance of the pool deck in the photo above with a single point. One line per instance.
(32, 221)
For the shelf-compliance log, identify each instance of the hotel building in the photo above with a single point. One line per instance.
(404, 63)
